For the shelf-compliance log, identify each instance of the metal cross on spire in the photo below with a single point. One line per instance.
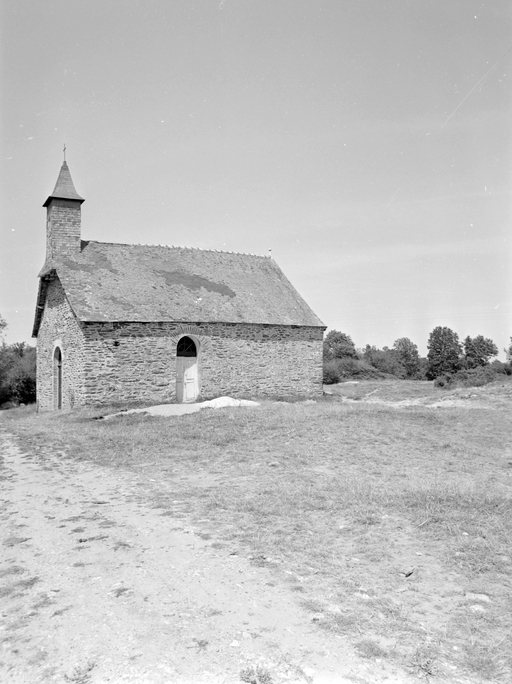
(64, 150)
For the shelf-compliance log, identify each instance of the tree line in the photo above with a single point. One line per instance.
(448, 362)
(17, 371)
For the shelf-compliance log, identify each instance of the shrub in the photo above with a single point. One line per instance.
(331, 372)
(341, 360)
(348, 367)
(471, 377)
(460, 377)
(357, 368)
(500, 367)
(477, 377)
(387, 361)
(442, 381)
(337, 370)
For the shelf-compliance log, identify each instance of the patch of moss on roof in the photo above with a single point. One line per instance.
(94, 263)
(193, 282)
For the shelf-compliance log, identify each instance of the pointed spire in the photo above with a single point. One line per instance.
(64, 188)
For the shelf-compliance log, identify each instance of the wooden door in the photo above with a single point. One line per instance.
(187, 381)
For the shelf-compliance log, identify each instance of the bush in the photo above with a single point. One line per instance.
(357, 368)
(460, 377)
(331, 372)
(500, 367)
(348, 367)
(341, 360)
(477, 377)
(443, 381)
(337, 370)
(471, 377)
(386, 361)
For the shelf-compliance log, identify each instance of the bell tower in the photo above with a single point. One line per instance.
(63, 218)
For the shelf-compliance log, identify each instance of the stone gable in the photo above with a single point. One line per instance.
(59, 328)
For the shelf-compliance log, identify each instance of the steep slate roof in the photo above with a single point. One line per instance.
(113, 282)
(64, 188)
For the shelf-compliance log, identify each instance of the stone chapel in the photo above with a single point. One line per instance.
(127, 323)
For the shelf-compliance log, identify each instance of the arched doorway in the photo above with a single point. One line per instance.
(57, 378)
(187, 381)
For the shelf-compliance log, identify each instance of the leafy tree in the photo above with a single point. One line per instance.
(22, 377)
(444, 352)
(407, 353)
(508, 352)
(386, 360)
(5, 366)
(478, 351)
(338, 345)
(3, 326)
(17, 373)
(422, 371)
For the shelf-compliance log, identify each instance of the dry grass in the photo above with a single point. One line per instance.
(393, 526)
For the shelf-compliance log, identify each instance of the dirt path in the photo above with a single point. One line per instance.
(96, 586)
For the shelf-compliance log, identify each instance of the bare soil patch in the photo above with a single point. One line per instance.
(131, 596)
(385, 523)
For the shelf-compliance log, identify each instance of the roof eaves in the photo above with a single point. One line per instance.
(93, 320)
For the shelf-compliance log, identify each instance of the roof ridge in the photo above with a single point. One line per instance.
(195, 249)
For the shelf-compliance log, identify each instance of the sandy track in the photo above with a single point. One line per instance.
(96, 586)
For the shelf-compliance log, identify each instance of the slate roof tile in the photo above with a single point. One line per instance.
(116, 282)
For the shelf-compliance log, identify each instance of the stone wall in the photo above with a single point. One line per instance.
(59, 327)
(63, 225)
(137, 361)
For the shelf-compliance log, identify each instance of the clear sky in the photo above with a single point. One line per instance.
(367, 143)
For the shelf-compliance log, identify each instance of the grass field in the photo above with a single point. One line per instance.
(393, 525)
